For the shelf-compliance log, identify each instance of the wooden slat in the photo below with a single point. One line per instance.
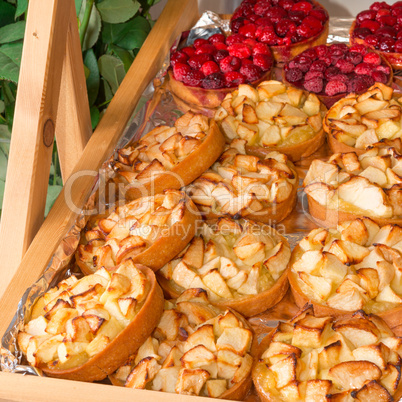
(73, 122)
(177, 16)
(33, 130)
(32, 388)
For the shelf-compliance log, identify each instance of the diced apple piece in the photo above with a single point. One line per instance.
(215, 388)
(143, 373)
(202, 336)
(285, 371)
(237, 340)
(191, 381)
(310, 332)
(373, 392)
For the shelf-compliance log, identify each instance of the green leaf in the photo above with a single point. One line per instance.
(112, 69)
(2, 108)
(5, 133)
(22, 6)
(52, 194)
(95, 115)
(4, 151)
(7, 12)
(78, 4)
(94, 27)
(13, 51)
(107, 90)
(2, 186)
(117, 11)
(9, 70)
(93, 79)
(12, 32)
(125, 56)
(86, 71)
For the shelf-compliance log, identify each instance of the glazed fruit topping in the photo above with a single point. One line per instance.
(280, 22)
(381, 26)
(337, 69)
(221, 62)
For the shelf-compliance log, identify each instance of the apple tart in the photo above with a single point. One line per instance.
(356, 121)
(358, 266)
(169, 157)
(240, 185)
(347, 359)
(196, 349)
(84, 329)
(240, 264)
(348, 185)
(150, 230)
(273, 116)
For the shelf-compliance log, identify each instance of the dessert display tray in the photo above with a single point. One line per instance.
(66, 217)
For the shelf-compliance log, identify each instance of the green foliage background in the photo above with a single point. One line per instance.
(111, 33)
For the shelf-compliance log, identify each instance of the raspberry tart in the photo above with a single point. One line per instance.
(354, 358)
(240, 185)
(357, 121)
(348, 185)
(240, 264)
(332, 71)
(201, 75)
(273, 117)
(288, 27)
(380, 28)
(355, 267)
(169, 157)
(196, 349)
(150, 230)
(84, 329)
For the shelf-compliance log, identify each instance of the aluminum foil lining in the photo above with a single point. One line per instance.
(156, 107)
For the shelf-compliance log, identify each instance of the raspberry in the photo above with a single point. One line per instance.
(276, 13)
(286, 4)
(251, 72)
(180, 70)
(304, 6)
(398, 46)
(331, 72)
(235, 24)
(293, 75)
(262, 7)
(378, 5)
(396, 12)
(213, 81)
(372, 58)
(365, 15)
(326, 59)
(296, 16)
(318, 65)
(357, 85)
(178, 57)
(189, 51)
(338, 49)
(313, 74)
(250, 43)
(260, 48)
(198, 60)
(383, 68)
(313, 23)
(359, 49)
(230, 63)
(210, 67)
(220, 46)
(248, 30)
(368, 80)
(193, 78)
(303, 63)
(345, 66)
(220, 55)
(267, 35)
(217, 38)
(396, 5)
(379, 76)
(263, 21)
(239, 50)
(252, 18)
(206, 49)
(340, 77)
(263, 61)
(311, 53)
(363, 69)
(361, 33)
(314, 85)
(387, 20)
(335, 87)
(321, 50)
(354, 57)
(372, 40)
(237, 38)
(283, 26)
(371, 25)
(244, 62)
(386, 31)
(387, 45)
(199, 42)
(319, 14)
(234, 79)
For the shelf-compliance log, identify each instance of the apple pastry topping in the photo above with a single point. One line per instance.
(361, 120)
(365, 185)
(273, 116)
(358, 266)
(240, 185)
(236, 262)
(347, 359)
(150, 230)
(196, 349)
(169, 157)
(75, 328)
